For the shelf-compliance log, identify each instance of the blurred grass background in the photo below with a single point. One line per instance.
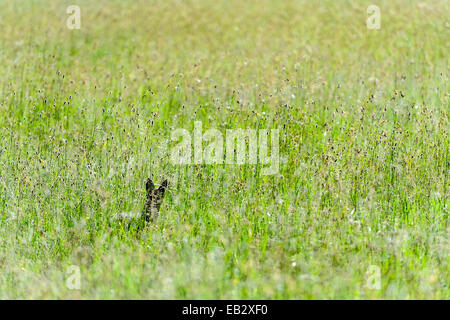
(363, 118)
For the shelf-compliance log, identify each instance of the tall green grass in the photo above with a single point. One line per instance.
(364, 137)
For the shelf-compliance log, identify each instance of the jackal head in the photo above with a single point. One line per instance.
(154, 199)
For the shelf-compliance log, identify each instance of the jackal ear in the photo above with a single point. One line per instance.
(162, 188)
(149, 186)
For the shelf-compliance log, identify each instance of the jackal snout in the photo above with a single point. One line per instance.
(154, 199)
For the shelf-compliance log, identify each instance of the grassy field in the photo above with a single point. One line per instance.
(363, 119)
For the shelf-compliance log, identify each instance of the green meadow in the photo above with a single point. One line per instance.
(358, 208)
